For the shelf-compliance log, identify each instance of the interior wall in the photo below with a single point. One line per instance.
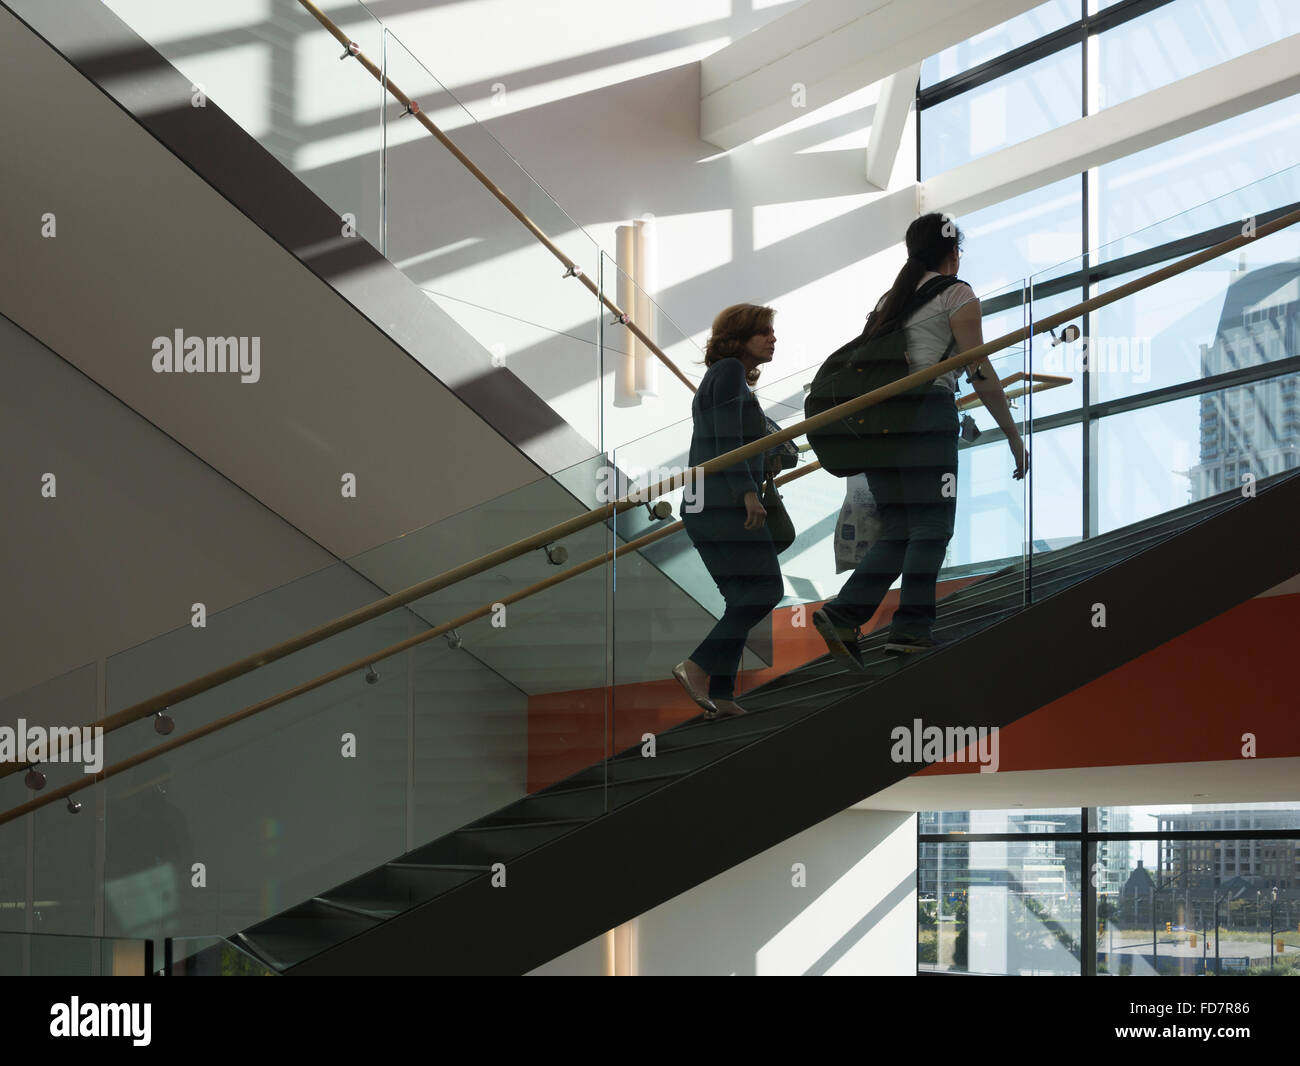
(604, 113)
(837, 900)
(139, 531)
(144, 248)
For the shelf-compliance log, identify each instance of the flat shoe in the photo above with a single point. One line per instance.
(710, 710)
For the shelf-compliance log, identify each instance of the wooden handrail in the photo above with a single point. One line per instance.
(86, 780)
(570, 267)
(721, 462)
(1037, 383)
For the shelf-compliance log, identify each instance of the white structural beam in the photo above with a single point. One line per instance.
(1261, 77)
(825, 50)
(897, 94)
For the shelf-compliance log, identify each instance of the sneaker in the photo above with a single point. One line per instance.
(841, 641)
(911, 645)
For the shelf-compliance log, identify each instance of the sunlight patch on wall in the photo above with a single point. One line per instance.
(863, 100)
(831, 915)
(555, 50)
(691, 244)
(161, 23)
(779, 221)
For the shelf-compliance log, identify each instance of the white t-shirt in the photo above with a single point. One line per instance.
(929, 332)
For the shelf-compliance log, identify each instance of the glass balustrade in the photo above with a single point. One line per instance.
(61, 955)
(1185, 392)
(293, 796)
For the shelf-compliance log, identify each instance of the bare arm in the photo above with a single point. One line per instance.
(969, 333)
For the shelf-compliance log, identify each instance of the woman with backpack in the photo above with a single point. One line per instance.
(913, 474)
(729, 529)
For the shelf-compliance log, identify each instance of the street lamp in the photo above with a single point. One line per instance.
(1272, 907)
(1154, 890)
(1217, 900)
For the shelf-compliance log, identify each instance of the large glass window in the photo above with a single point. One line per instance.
(1138, 450)
(1173, 890)
(1185, 38)
(1171, 181)
(1025, 235)
(1006, 111)
(999, 40)
(1000, 907)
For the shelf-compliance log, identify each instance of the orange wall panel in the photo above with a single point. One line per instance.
(1189, 700)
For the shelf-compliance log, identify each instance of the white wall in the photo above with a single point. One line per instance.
(603, 109)
(855, 916)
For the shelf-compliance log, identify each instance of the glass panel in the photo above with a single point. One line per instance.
(999, 908)
(477, 261)
(1015, 238)
(1018, 820)
(323, 782)
(275, 71)
(1236, 311)
(214, 956)
(1059, 364)
(1022, 104)
(1189, 908)
(56, 955)
(1197, 817)
(990, 531)
(1160, 458)
(1058, 497)
(1185, 38)
(339, 779)
(48, 857)
(996, 41)
(1207, 173)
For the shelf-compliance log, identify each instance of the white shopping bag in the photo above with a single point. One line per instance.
(858, 525)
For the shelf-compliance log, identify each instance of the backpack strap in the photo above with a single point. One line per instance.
(919, 299)
(929, 291)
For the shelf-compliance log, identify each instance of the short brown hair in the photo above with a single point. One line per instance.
(733, 328)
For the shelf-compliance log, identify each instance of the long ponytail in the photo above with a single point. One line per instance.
(930, 240)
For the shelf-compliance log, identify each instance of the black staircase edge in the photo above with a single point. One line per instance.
(649, 851)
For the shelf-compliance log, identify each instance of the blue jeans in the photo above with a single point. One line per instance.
(743, 564)
(918, 509)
